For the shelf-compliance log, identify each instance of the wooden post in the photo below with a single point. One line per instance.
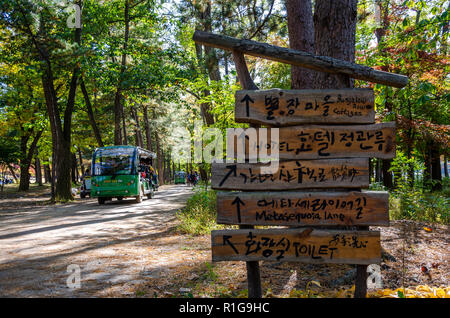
(300, 58)
(361, 275)
(253, 272)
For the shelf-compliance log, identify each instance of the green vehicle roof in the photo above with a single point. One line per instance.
(140, 150)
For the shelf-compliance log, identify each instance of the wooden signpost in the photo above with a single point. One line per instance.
(320, 141)
(321, 169)
(293, 208)
(297, 245)
(292, 175)
(291, 107)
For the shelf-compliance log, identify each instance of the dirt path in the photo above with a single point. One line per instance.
(114, 246)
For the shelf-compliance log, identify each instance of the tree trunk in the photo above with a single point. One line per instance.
(80, 159)
(47, 174)
(74, 169)
(24, 164)
(90, 112)
(209, 62)
(38, 168)
(159, 154)
(124, 126)
(24, 184)
(334, 33)
(61, 135)
(63, 164)
(117, 118)
(27, 157)
(445, 166)
(436, 173)
(388, 180)
(11, 169)
(148, 135)
(137, 129)
(173, 171)
(432, 173)
(301, 37)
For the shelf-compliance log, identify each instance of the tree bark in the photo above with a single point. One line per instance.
(61, 134)
(301, 37)
(433, 165)
(74, 169)
(148, 135)
(47, 174)
(208, 61)
(63, 187)
(159, 154)
(80, 158)
(90, 113)
(445, 166)
(138, 131)
(27, 157)
(38, 168)
(334, 33)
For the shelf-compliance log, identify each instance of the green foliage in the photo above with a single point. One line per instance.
(9, 151)
(416, 205)
(411, 200)
(209, 273)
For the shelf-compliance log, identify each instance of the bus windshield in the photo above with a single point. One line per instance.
(113, 161)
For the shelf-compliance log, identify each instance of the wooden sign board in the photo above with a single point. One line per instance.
(292, 208)
(292, 174)
(316, 142)
(289, 107)
(297, 245)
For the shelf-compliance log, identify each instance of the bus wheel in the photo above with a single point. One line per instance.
(140, 196)
(101, 200)
(119, 198)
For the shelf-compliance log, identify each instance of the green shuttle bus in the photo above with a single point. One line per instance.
(122, 171)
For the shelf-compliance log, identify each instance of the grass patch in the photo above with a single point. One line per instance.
(199, 215)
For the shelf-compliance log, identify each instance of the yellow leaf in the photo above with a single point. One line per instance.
(387, 292)
(440, 293)
(340, 294)
(424, 288)
(316, 283)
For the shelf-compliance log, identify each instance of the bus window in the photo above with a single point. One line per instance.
(113, 161)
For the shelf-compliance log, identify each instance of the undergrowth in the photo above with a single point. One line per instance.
(199, 215)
